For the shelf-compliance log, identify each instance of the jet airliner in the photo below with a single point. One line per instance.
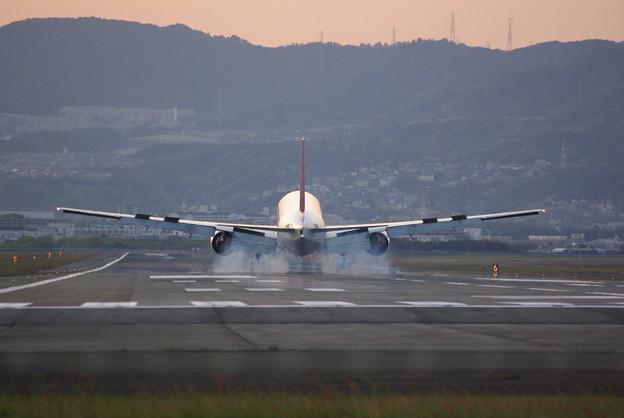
(300, 229)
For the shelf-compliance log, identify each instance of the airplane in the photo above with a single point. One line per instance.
(300, 229)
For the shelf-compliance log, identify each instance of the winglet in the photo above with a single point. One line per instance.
(302, 179)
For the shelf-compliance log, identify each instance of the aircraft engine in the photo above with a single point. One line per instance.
(379, 243)
(222, 243)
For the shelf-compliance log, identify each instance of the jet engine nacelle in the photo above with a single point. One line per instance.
(379, 243)
(221, 243)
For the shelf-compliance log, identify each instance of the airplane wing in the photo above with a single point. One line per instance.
(403, 228)
(178, 224)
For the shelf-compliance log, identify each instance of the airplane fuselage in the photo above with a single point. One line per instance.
(301, 241)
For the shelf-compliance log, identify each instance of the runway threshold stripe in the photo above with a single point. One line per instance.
(109, 304)
(13, 305)
(202, 289)
(58, 279)
(219, 304)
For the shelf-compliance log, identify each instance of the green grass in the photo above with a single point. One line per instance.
(318, 404)
(27, 265)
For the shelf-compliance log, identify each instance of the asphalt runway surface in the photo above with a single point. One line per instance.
(158, 320)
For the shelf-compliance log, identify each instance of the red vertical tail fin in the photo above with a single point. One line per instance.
(302, 179)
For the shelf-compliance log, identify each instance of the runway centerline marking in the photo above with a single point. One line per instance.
(269, 281)
(58, 279)
(109, 305)
(429, 303)
(220, 304)
(184, 281)
(227, 281)
(202, 289)
(417, 280)
(543, 289)
(264, 289)
(4, 305)
(323, 289)
(457, 283)
(200, 276)
(323, 303)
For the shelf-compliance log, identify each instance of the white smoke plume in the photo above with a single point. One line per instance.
(356, 264)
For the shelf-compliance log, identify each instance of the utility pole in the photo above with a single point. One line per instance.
(509, 34)
(321, 37)
(393, 35)
(453, 37)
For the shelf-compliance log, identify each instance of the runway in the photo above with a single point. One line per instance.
(142, 319)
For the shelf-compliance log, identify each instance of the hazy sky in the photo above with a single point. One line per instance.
(279, 22)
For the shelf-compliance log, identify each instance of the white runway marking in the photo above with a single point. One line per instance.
(417, 280)
(323, 303)
(227, 281)
(220, 304)
(264, 289)
(13, 305)
(536, 280)
(323, 289)
(606, 293)
(58, 279)
(543, 289)
(545, 297)
(269, 281)
(400, 280)
(457, 283)
(500, 305)
(202, 289)
(427, 303)
(200, 276)
(109, 304)
(495, 285)
(583, 284)
(184, 281)
(540, 304)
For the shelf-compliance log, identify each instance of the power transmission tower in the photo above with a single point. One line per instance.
(509, 35)
(453, 37)
(393, 35)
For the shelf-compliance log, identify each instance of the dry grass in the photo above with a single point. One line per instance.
(587, 267)
(319, 404)
(26, 264)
